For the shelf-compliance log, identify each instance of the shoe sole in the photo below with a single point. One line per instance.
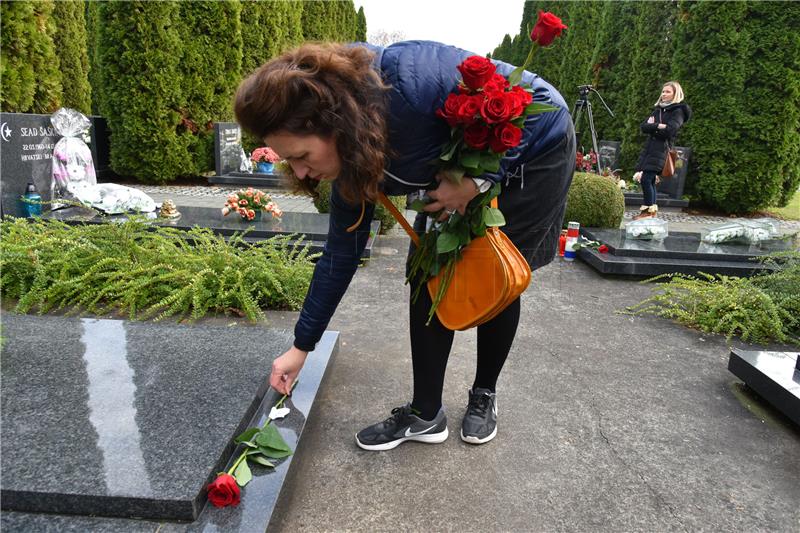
(476, 440)
(433, 438)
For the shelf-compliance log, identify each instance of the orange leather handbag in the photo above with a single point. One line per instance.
(490, 275)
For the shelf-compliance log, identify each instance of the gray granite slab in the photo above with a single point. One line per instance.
(258, 497)
(120, 418)
(773, 375)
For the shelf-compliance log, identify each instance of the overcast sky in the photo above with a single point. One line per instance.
(474, 25)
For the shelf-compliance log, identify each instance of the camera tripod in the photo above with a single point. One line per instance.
(583, 105)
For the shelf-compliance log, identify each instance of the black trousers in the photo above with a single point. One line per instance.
(533, 201)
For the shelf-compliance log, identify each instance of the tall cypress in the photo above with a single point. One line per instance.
(702, 61)
(138, 50)
(315, 21)
(70, 43)
(361, 26)
(18, 37)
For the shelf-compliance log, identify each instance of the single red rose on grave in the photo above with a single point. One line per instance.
(477, 135)
(504, 136)
(497, 83)
(476, 71)
(498, 107)
(224, 491)
(603, 249)
(450, 110)
(546, 29)
(469, 108)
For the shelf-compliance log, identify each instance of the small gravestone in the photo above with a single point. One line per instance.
(773, 375)
(673, 186)
(228, 155)
(26, 142)
(609, 154)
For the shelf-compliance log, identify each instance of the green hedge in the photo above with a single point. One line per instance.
(594, 201)
(70, 42)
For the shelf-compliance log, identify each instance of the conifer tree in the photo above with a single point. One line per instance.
(70, 46)
(361, 27)
(18, 37)
(138, 50)
(48, 89)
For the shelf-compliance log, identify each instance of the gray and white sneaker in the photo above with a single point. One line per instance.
(480, 420)
(403, 425)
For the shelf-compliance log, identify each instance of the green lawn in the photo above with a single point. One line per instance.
(791, 211)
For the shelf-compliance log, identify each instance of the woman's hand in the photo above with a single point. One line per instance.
(651, 120)
(286, 368)
(637, 177)
(451, 197)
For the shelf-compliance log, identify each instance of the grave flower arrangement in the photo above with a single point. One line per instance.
(486, 114)
(249, 203)
(265, 154)
(260, 445)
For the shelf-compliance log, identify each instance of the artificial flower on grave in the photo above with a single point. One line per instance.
(265, 154)
(486, 114)
(246, 202)
(260, 444)
(585, 162)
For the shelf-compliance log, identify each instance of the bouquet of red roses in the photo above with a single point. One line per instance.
(486, 114)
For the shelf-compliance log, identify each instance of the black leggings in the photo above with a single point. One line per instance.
(430, 349)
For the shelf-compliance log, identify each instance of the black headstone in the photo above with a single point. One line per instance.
(227, 147)
(101, 147)
(26, 143)
(609, 154)
(673, 186)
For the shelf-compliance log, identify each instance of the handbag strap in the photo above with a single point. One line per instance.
(402, 220)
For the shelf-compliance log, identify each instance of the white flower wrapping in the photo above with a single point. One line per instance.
(647, 229)
(749, 231)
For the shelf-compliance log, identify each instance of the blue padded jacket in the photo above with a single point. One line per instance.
(421, 75)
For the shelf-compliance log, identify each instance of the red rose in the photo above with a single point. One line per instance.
(498, 107)
(450, 110)
(476, 71)
(477, 136)
(603, 249)
(224, 491)
(470, 107)
(504, 136)
(547, 28)
(498, 83)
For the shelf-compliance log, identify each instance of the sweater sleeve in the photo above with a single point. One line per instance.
(334, 269)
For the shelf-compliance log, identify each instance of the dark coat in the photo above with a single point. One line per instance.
(659, 141)
(421, 75)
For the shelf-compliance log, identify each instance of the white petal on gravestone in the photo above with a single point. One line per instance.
(277, 414)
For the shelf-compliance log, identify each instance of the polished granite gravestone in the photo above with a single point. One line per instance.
(228, 160)
(680, 252)
(26, 144)
(131, 420)
(775, 376)
(313, 226)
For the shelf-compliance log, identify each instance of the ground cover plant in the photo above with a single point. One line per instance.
(141, 271)
(758, 309)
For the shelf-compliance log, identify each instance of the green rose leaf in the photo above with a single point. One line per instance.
(515, 77)
(417, 205)
(260, 459)
(447, 242)
(537, 108)
(272, 453)
(490, 162)
(246, 435)
(470, 159)
(242, 474)
(269, 437)
(449, 150)
(493, 217)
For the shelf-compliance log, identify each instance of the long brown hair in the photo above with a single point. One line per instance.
(329, 90)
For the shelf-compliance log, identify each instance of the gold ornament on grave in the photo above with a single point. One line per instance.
(169, 210)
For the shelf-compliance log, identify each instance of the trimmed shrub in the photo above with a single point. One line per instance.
(594, 201)
(387, 220)
(70, 43)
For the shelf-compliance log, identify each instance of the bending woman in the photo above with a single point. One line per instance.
(364, 119)
(661, 128)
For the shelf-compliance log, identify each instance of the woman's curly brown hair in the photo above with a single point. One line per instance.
(329, 90)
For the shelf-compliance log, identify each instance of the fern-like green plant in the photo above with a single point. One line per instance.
(144, 271)
(758, 309)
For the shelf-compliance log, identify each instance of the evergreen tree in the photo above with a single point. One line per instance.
(293, 31)
(503, 52)
(361, 26)
(47, 93)
(90, 15)
(70, 42)
(712, 68)
(653, 48)
(209, 73)
(19, 37)
(316, 21)
(139, 50)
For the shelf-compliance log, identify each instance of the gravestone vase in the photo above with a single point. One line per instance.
(264, 167)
